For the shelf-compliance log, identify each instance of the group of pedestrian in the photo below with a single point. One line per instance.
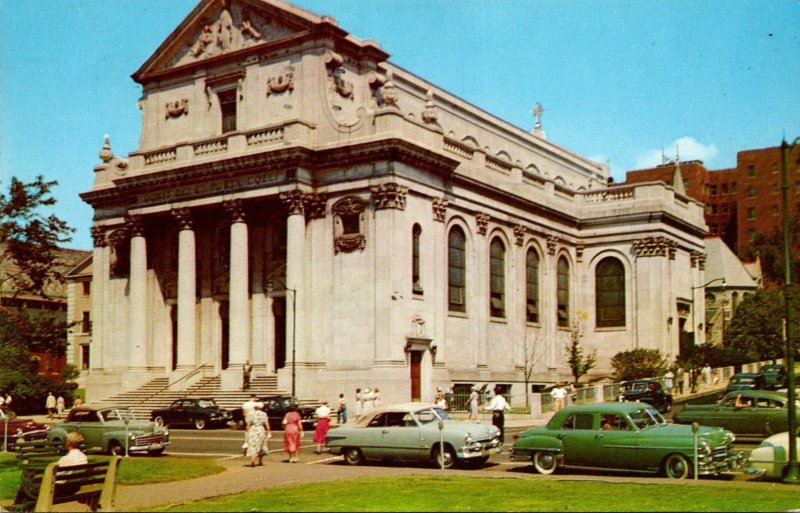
(367, 400)
(258, 431)
(55, 406)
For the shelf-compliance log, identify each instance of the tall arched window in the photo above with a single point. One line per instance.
(497, 279)
(532, 286)
(416, 285)
(456, 270)
(609, 288)
(562, 293)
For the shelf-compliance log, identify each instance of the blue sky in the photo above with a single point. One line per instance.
(618, 80)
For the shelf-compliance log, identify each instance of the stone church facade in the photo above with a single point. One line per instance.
(298, 201)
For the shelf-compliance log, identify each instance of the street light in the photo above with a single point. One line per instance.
(792, 471)
(709, 283)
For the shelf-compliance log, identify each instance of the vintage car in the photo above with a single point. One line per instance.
(13, 428)
(412, 431)
(647, 391)
(770, 459)
(111, 429)
(625, 437)
(276, 407)
(759, 413)
(774, 375)
(198, 412)
(745, 381)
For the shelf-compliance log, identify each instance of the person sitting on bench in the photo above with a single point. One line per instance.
(73, 458)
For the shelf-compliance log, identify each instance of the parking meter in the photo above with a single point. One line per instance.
(441, 442)
(695, 430)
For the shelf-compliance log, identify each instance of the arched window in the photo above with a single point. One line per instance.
(562, 293)
(456, 270)
(609, 287)
(416, 233)
(532, 286)
(497, 279)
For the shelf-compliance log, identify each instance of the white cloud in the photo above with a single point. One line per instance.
(688, 147)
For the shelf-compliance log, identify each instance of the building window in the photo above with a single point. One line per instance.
(497, 278)
(416, 233)
(724, 189)
(349, 224)
(734, 188)
(87, 287)
(775, 210)
(751, 192)
(724, 208)
(609, 287)
(86, 323)
(456, 267)
(751, 170)
(562, 293)
(713, 210)
(751, 213)
(775, 189)
(532, 286)
(227, 106)
(713, 190)
(751, 234)
(85, 356)
(774, 169)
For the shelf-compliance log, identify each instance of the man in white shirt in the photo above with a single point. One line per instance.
(498, 406)
(559, 394)
(74, 454)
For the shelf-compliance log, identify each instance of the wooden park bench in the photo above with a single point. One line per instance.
(44, 484)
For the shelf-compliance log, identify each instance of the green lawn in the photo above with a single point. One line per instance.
(422, 493)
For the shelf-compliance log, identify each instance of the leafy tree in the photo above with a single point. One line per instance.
(769, 247)
(717, 356)
(638, 363)
(29, 238)
(756, 331)
(580, 363)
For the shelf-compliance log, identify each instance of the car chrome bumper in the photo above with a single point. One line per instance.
(713, 467)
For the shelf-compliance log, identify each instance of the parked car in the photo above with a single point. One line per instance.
(770, 459)
(107, 429)
(647, 391)
(625, 436)
(276, 407)
(774, 375)
(13, 428)
(765, 413)
(412, 431)
(745, 381)
(198, 412)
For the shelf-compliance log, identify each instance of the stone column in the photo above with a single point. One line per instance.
(100, 277)
(295, 258)
(137, 294)
(239, 313)
(187, 291)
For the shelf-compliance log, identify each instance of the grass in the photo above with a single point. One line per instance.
(457, 493)
(132, 471)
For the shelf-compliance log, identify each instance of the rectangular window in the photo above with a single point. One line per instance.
(87, 288)
(751, 170)
(86, 323)
(227, 105)
(84, 356)
(734, 188)
(724, 189)
(751, 213)
(713, 190)
(775, 210)
(724, 208)
(751, 234)
(751, 192)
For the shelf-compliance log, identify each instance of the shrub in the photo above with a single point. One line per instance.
(638, 363)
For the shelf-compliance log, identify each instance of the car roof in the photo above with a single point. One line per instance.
(607, 407)
(746, 375)
(768, 394)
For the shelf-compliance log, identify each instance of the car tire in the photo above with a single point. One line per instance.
(115, 448)
(545, 462)
(156, 452)
(677, 466)
(199, 424)
(449, 457)
(159, 421)
(353, 456)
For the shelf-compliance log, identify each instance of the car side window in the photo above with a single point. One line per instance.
(408, 420)
(378, 420)
(762, 402)
(579, 421)
(730, 401)
(112, 415)
(396, 419)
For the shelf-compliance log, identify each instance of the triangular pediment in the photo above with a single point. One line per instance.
(220, 27)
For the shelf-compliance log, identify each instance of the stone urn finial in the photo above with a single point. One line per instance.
(105, 154)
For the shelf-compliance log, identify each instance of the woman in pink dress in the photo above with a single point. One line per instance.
(292, 431)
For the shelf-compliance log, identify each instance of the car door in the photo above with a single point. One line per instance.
(91, 427)
(615, 443)
(401, 437)
(578, 435)
(373, 439)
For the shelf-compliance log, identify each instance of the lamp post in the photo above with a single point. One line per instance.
(792, 474)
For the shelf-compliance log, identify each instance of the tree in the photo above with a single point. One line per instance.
(756, 331)
(638, 363)
(533, 352)
(770, 250)
(579, 362)
(29, 238)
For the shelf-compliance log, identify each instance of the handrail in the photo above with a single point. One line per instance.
(185, 376)
(193, 391)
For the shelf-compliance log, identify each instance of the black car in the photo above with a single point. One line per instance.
(774, 375)
(647, 391)
(276, 407)
(746, 381)
(200, 413)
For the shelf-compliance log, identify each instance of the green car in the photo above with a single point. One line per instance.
(759, 413)
(414, 431)
(112, 430)
(625, 437)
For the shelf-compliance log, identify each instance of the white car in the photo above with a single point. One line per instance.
(769, 459)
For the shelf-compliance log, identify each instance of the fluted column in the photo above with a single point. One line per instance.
(187, 291)
(100, 277)
(295, 244)
(137, 295)
(239, 313)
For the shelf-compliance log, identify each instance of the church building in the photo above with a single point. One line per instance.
(299, 202)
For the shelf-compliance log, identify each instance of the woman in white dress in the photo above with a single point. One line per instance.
(257, 434)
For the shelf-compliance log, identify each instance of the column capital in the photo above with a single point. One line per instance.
(439, 206)
(294, 201)
(389, 195)
(235, 210)
(655, 246)
(99, 236)
(314, 205)
(135, 225)
(482, 221)
(184, 218)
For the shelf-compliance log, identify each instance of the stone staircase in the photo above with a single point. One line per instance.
(155, 394)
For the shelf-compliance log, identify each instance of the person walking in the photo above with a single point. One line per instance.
(679, 379)
(707, 375)
(50, 404)
(359, 403)
(292, 433)
(247, 369)
(367, 400)
(60, 405)
(377, 400)
(248, 408)
(668, 378)
(323, 414)
(559, 395)
(258, 432)
(498, 406)
(474, 398)
(341, 410)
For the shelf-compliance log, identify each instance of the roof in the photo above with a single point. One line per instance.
(721, 263)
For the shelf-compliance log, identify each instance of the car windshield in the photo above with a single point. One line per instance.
(646, 417)
(206, 403)
(118, 414)
(741, 381)
(429, 415)
(633, 387)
